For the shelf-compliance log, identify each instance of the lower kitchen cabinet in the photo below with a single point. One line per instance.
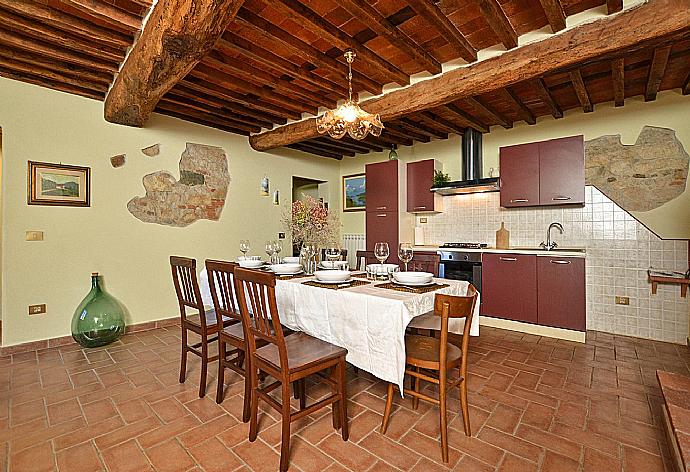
(561, 292)
(509, 286)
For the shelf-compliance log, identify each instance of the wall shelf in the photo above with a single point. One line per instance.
(656, 279)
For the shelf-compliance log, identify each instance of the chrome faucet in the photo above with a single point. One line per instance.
(550, 245)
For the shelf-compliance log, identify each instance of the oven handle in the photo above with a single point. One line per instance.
(508, 259)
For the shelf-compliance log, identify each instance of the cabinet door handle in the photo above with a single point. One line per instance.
(561, 199)
(381, 208)
(381, 215)
(520, 200)
(559, 262)
(508, 259)
(420, 208)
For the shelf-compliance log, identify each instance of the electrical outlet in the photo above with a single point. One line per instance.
(37, 309)
(422, 220)
(34, 235)
(622, 300)
(281, 235)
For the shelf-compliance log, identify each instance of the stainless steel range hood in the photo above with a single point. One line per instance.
(472, 180)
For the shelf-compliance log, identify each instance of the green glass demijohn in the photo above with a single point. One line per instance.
(99, 318)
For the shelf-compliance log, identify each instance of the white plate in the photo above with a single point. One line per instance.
(334, 282)
(285, 269)
(332, 264)
(413, 277)
(288, 273)
(337, 276)
(291, 260)
(414, 284)
(251, 264)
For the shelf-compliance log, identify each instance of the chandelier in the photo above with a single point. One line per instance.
(349, 117)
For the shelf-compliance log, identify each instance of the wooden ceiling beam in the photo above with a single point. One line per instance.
(231, 42)
(554, 14)
(315, 23)
(336, 146)
(107, 13)
(52, 84)
(581, 90)
(217, 110)
(56, 36)
(371, 17)
(686, 86)
(20, 67)
(386, 140)
(185, 106)
(446, 125)
(498, 21)
(12, 39)
(404, 130)
(656, 72)
(305, 50)
(614, 6)
(645, 24)
(316, 150)
(51, 16)
(358, 146)
(546, 98)
(205, 121)
(252, 106)
(72, 70)
(433, 15)
(469, 120)
(492, 115)
(618, 78)
(177, 35)
(423, 129)
(522, 110)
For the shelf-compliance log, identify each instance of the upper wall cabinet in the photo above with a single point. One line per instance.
(382, 186)
(544, 173)
(420, 178)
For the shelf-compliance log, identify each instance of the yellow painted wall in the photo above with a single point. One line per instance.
(44, 125)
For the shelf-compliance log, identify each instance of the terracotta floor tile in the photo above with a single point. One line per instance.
(390, 451)
(636, 460)
(424, 445)
(258, 456)
(595, 461)
(38, 458)
(170, 457)
(99, 410)
(134, 410)
(213, 456)
(513, 444)
(63, 411)
(28, 411)
(513, 463)
(307, 457)
(557, 463)
(347, 453)
(126, 457)
(82, 458)
(505, 418)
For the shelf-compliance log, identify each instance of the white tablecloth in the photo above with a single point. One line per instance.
(368, 321)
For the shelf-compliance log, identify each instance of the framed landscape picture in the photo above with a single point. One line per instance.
(58, 184)
(354, 192)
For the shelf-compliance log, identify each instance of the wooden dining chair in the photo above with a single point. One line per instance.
(200, 321)
(287, 359)
(430, 359)
(425, 262)
(368, 257)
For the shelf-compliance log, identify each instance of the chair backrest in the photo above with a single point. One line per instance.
(456, 306)
(257, 296)
(221, 280)
(369, 258)
(343, 254)
(425, 262)
(187, 286)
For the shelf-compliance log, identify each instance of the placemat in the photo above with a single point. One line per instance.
(290, 277)
(401, 288)
(354, 283)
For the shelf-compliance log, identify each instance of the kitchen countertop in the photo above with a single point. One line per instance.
(573, 252)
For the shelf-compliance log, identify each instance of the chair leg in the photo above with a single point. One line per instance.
(295, 389)
(204, 367)
(221, 371)
(254, 384)
(334, 391)
(302, 394)
(248, 371)
(415, 387)
(285, 438)
(387, 410)
(342, 387)
(444, 419)
(183, 361)
(464, 406)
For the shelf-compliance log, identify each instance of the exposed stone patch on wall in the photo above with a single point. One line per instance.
(199, 194)
(642, 176)
(152, 150)
(118, 161)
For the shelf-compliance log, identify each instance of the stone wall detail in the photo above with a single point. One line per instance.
(638, 177)
(152, 151)
(200, 192)
(118, 161)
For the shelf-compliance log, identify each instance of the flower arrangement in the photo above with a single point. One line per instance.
(308, 221)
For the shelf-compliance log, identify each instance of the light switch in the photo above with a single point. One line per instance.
(34, 235)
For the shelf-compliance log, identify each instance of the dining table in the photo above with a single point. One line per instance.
(369, 318)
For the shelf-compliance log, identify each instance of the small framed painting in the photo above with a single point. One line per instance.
(354, 192)
(58, 185)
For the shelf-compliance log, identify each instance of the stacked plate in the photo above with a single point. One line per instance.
(333, 276)
(291, 260)
(286, 269)
(413, 279)
(333, 265)
(250, 262)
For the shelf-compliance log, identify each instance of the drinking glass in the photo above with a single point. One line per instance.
(405, 253)
(333, 254)
(381, 251)
(244, 247)
(310, 252)
(270, 250)
(278, 246)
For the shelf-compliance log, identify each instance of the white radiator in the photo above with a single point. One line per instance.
(353, 243)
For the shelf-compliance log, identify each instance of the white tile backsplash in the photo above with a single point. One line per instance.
(619, 252)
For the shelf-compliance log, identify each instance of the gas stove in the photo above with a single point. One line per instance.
(463, 245)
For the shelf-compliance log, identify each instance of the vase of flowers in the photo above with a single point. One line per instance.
(310, 223)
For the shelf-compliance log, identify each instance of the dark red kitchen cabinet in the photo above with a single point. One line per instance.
(562, 171)
(382, 226)
(382, 186)
(519, 181)
(509, 286)
(561, 292)
(420, 177)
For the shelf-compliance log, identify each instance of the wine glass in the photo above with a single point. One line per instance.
(270, 250)
(278, 246)
(244, 247)
(381, 251)
(405, 253)
(333, 254)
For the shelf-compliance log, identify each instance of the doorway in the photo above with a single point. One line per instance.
(303, 187)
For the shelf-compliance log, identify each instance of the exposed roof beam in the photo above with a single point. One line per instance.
(614, 6)
(420, 128)
(304, 147)
(177, 35)
(647, 22)
(447, 125)
(405, 132)
(201, 120)
(499, 23)
(686, 86)
(656, 72)
(436, 18)
(107, 13)
(194, 109)
(488, 112)
(52, 84)
(554, 14)
(581, 91)
(618, 77)
(315, 23)
(522, 109)
(471, 121)
(546, 98)
(371, 17)
(50, 73)
(336, 146)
